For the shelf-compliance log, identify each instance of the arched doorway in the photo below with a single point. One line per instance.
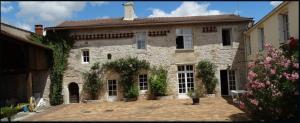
(73, 92)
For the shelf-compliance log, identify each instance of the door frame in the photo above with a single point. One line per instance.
(112, 98)
(184, 95)
(228, 83)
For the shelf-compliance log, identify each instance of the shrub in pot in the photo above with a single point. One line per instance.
(132, 93)
(158, 82)
(206, 71)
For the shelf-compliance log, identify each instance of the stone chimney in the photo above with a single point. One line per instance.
(38, 29)
(128, 11)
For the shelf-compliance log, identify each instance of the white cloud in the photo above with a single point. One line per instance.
(6, 7)
(48, 13)
(98, 3)
(187, 9)
(24, 26)
(275, 3)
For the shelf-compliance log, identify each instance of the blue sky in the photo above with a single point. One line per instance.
(26, 14)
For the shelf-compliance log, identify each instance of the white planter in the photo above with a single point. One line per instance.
(210, 95)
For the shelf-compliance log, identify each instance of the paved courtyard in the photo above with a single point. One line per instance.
(209, 109)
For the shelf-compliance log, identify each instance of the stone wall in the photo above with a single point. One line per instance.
(160, 50)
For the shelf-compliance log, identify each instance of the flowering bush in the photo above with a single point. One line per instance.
(272, 86)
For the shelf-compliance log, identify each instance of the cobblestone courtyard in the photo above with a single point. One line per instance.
(209, 109)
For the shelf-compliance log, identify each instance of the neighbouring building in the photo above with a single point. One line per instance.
(276, 28)
(24, 66)
(178, 43)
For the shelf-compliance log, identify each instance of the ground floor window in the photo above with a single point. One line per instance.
(143, 82)
(185, 78)
(112, 88)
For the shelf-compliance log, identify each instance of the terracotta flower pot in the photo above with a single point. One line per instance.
(196, 101)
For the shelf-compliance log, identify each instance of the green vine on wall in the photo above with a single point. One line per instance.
(128, 69)
(93, 82)
(60, 43)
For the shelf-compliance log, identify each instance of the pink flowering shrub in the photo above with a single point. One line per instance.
(272, 88)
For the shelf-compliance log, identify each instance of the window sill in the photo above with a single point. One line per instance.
(183, 50)
(85, 63)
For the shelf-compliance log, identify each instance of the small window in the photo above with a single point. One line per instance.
(143, 82)
(141, 40)
(184, 39)
(85, 56)
(261, 38)
(109, 56)
(226, 37)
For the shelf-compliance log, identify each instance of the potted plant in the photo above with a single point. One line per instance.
(195, 95)
(132, 94)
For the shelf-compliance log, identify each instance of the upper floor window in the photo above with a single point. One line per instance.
(248, 43)
(285, 27)
(184, 39)
(85, 56)
(226, 37)
(141, 40)
(261, 37)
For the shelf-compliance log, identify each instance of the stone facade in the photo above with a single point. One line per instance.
(160, 50)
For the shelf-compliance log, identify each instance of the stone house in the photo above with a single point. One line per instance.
(177, 43)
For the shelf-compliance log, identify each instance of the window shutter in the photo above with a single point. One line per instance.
(178, 31)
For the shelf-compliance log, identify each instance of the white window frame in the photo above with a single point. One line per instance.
(143, 85)
(261, 39)
(142, 39)
(187, 34)
(285, 27)
(113, 97)
(231, 81)
(230, 34)
(185, 72)
(82, 56)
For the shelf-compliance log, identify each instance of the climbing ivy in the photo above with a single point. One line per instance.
(127, 68)
(60, 43)
(93, 82)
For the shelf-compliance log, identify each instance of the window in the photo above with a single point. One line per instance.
(184, 39)
(109, 56)
(231, 80)
(261, 38)
(141, 40)
(226, 37)
(143, 82)
(85, 56)
(285, 25)
(185, 78)
(112, 88)
(248, 43)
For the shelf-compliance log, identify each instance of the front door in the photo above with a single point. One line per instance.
(73, 93)
(185, 80)
(224, 82)
(112, 90)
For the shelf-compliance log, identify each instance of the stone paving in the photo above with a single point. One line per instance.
(209, 109)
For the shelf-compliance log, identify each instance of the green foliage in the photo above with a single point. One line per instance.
(196, 93)
(127, 68)
(8, 111)
(206, 71)
(93, 81)
(60, 43)
(133, 92)
(158, 81)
